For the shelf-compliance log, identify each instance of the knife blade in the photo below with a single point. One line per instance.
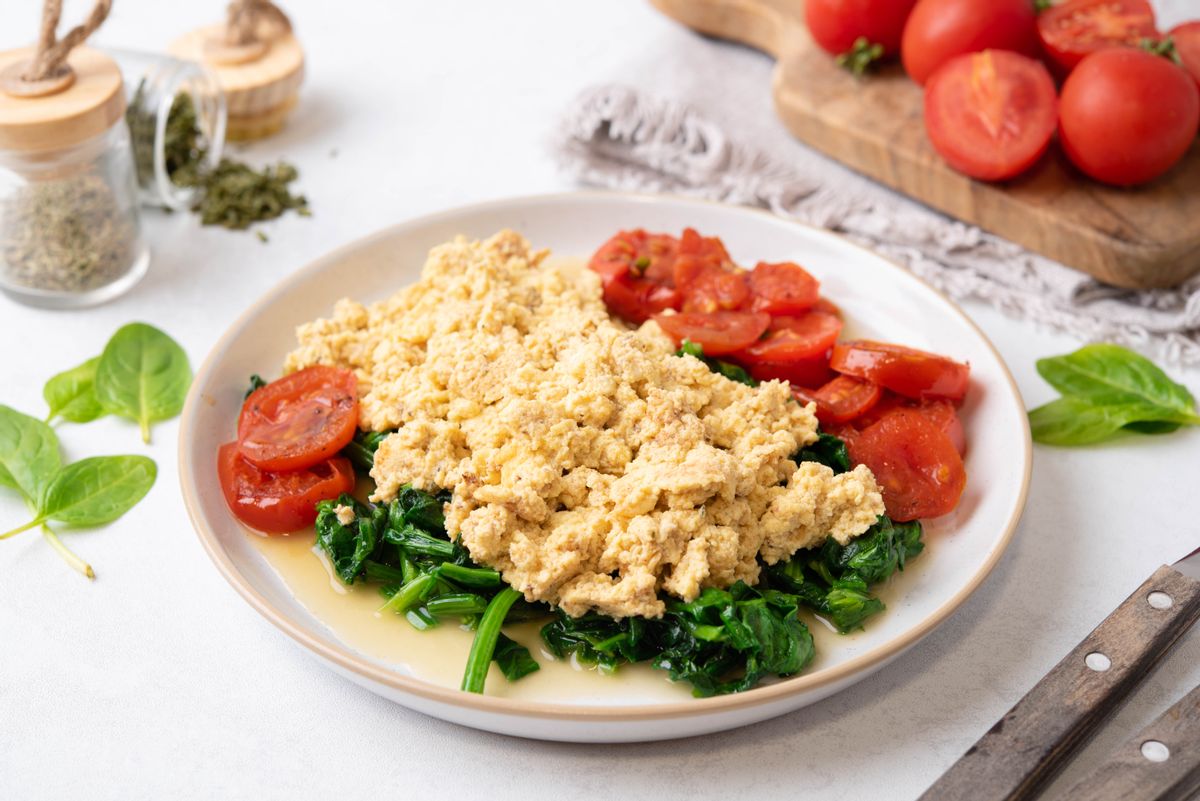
(1026, 748)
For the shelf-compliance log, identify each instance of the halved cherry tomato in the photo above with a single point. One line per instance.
(793, 339)
(715, 290)
(278, 503)
(841, 400)
(939, 30)
(719, 333)
(697, 255)
(642, 254)
(991, 115)
(300, 419)
(908, 371)
(827, 306)
(783, 288)
(917, 466)
(636, 300)
(800, 373)
(941, 413)
(1187, 43)
(1071, 30)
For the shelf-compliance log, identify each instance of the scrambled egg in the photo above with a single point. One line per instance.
(588, 463)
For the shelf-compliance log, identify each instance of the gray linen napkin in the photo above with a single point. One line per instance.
(718, 138)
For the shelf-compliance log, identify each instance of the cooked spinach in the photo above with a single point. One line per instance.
(731, 371)
(361, 450)
(257, 382)
(514, 659)
(828, 450)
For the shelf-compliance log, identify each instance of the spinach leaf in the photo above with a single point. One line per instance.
(361, 450)
(1076, 421)
(1110, 375)
(731, 371)
(850, 604)
(349, 546)
(514, 659)
(828, 450)
(29, 456)
(414, 507)
(257, 382)
(143, 375)
(71, 394)
(97, 490)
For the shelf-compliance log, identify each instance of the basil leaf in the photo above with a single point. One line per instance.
(71, 394)
(29, 455)
(143, 375)
(1110, 375)
(97, 490)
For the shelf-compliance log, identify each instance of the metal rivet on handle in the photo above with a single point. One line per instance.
(1155, 751)
(1160, 600)
(1097, 661)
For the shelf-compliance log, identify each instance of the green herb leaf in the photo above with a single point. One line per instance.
(514, 659)
(349, 546)
(143, 375)
(97, 490)
(257, 382)
(827, 450)
(71, 394)
(731, 371)
(29, 456)
(1110, 375)
(1075, 421)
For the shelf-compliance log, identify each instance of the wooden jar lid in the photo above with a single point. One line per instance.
(53, 118)
(261, 83)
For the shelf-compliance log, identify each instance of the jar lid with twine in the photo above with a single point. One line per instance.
(57, 94)
(257, 60)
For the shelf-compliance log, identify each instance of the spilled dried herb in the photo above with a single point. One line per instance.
(236, 195)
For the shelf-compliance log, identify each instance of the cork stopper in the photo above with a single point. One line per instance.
(63, 109)
(261, 78)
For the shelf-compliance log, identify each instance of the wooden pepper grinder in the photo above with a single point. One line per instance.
(258, 62)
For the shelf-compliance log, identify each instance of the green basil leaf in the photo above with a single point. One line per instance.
(1074, 421)
(1111, 376)
(29, 456)
(143, 375)
(71, 394)
(98, 490)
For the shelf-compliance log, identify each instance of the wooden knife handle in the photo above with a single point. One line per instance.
(1161, 763)
(1023, 751)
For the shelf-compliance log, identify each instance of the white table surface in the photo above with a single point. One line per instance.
(158, 681)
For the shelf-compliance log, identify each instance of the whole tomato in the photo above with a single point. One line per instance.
(837, 24)
(939, 30)
(1127, 116)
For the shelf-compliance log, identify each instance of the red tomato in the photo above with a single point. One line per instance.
(1071, 30)
(645, 255)
(836, 24)
(783, 288)
(941, 413)
(716, 290)
(637, 299)
(1126, 116)
(792, 339)
(910, 372)
(812, 372)
(918, 469)
(841, 400)
(991, 114)
(278, 503)
(939, 30)
(827, 306)
(1187, 44)
(300, 419)
(697, 255)
(719, 333)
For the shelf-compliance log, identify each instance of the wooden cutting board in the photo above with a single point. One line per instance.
(1143, 237)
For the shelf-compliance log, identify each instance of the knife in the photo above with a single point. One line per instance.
(1019, 755)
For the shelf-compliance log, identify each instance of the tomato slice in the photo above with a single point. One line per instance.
(841, 400)
(1187, 44)
(638, 253)
(1071, 30)
(716, 290)
(827, 306)
(636, 300)
(699, 254)
(940, 412)
(299, 420)
(783, 288)
(799, 373)
(794, 339)
(917, 466)
(719, 333)
(278, 503)
(991, 115)
(910, 372)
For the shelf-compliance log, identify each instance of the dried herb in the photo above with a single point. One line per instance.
(237, 196)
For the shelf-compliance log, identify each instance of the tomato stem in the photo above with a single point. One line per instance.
(861, 56)
(67, 554)
(1164, 47)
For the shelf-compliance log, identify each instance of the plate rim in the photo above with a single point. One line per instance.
(346, 659)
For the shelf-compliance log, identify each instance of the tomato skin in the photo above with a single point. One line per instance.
(841, 400)
(645, 255)
(783, 288)
(941, 413)
(916, 465)
(991, 115)
(279, 503)
(793, 339)
(716, 290)
(836, 24)
(697, 255)
(636, 300)
(907, 371)
(812, 372)
(1071, 30)
(299, 420)
(1187, 44)
(1126, 116)
(939, 30)
(719, 333)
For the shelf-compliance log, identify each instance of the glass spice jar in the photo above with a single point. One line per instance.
(177, 119)
(70, 235)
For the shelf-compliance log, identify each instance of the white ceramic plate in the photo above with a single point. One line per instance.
(879, 299)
